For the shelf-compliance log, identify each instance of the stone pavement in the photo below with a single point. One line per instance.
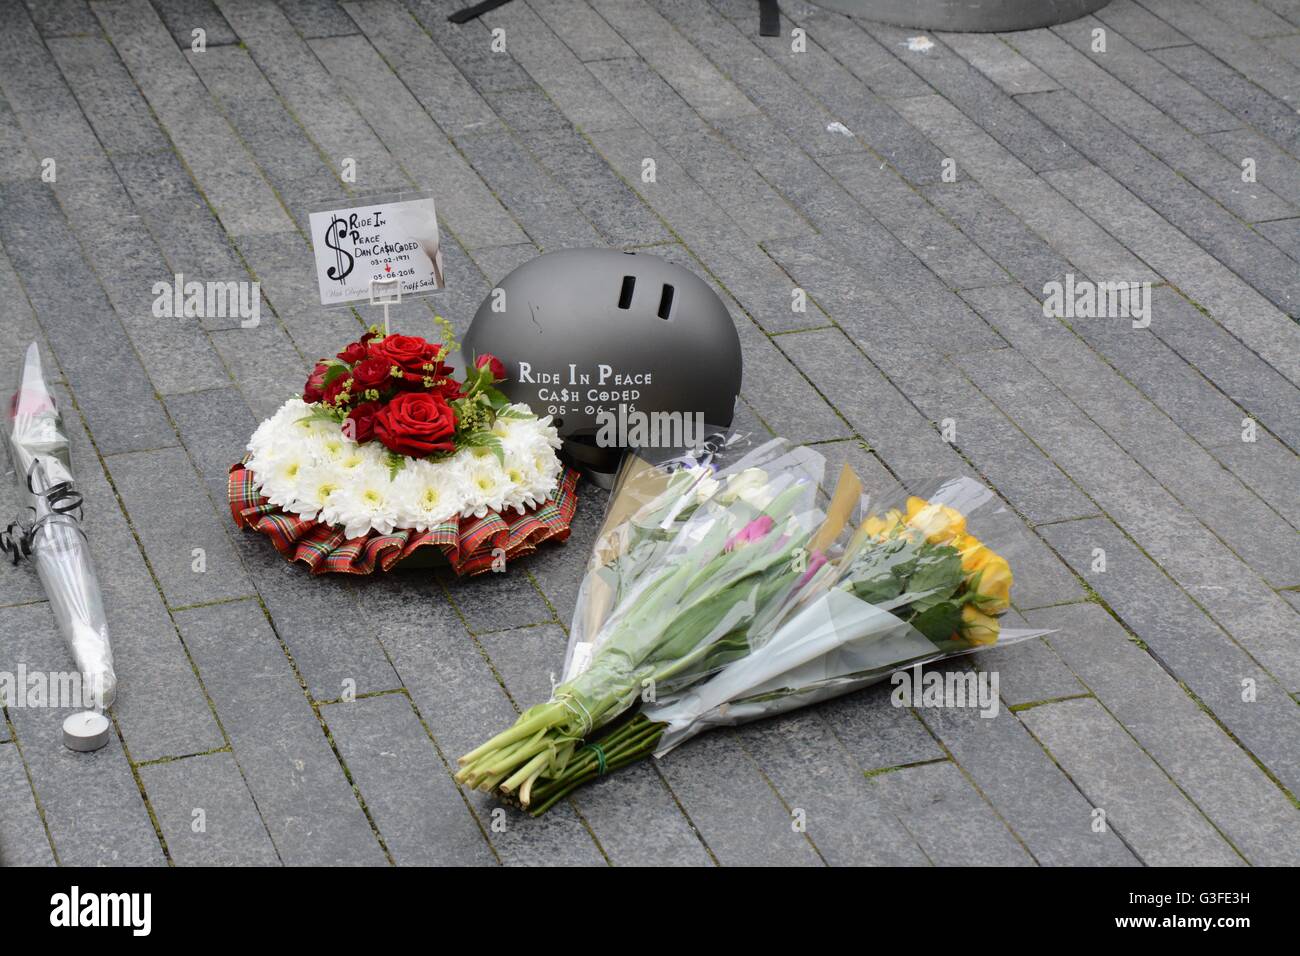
(923, 197)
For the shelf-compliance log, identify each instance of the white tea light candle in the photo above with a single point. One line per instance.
(85, 731)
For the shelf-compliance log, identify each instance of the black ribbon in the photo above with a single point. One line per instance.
(60, 499)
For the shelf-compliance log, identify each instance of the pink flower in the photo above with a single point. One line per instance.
(754, 531)
(815, 561)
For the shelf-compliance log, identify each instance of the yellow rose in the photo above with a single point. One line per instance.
(971, 551)
(994, 583)
(978, 627)
(879, 528)
(937, 522)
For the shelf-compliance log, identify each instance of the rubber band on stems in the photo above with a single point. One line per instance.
(576, 708)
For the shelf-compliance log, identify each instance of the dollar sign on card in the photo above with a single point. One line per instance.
(338, 228)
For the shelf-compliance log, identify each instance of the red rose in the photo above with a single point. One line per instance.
(314, 390)
(417, 424)
(360, 423)
(497, 367)
(353, 353)
(371, 373)
(410, 353)
(336, 386)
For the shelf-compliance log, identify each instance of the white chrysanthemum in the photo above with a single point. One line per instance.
(316, 485)
(311, 468)
(368, 502)
(428, 496)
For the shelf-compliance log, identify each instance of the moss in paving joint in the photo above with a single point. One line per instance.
(881, 771)
(1030, 705)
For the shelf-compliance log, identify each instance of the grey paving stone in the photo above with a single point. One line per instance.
(93, 811)
(1060, 224)
(999, 61)
(301, 792)
(1160, 525)
(172, 517)
(861, 54)
(16, 160)
(698, 82)
(846, 818)
(1274, 166)
(1160, 825)
(1186, 642)
(544, 210)
(27, 76)
(465, 205)
(462, 700)
(1241, 310)
(1208, 224)
(948, 817)
(499, 601)
(527, 110)
(1204, 346)
(1220, 36)
(585, 32)
(931, 237)
(979, 98)
(1039, 803)
(112, 390)
(539, 55)
(59, 18)
(877, 734)
(718, 168)
(1164, 450)
(709, 775)
(870, 118)
(1028, 672)
(317, 18)
(425, 70)
(1142, 74)
(311, 94)
(206, 814)
(23, 841)
(1270, 469)
(183, 17)
(1248, 808)
(286, 155)
(1139, 25)
(598, 191)
(469, 46)
(263, 362)
(107, 94)
(405, 783)
(319, 620)
(1151, 124)
(176, 213)
(1285, 234)
(497, 262)
(215, 157)
(1000, 233)
(767, 85)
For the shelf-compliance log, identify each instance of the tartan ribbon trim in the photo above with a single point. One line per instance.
(467, 543)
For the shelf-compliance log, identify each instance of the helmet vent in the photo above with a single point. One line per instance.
(666, 301)
(625, 294)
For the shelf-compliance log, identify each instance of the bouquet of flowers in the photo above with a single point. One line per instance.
(385, 452)
(911, 585)
(701, 569)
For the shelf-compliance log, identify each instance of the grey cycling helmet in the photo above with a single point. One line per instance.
(587, 334)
